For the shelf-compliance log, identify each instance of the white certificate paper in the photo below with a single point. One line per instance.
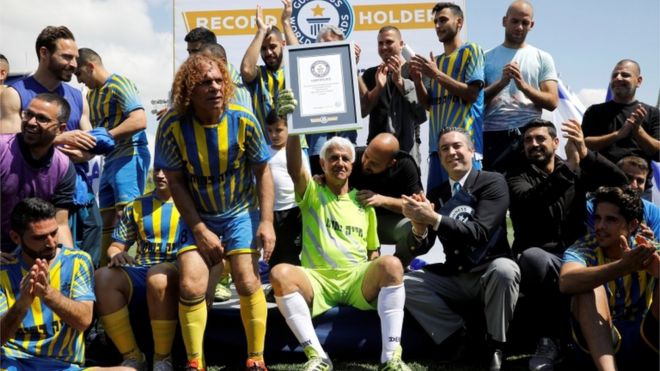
(321, 85)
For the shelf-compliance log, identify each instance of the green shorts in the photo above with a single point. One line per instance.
(334, 287)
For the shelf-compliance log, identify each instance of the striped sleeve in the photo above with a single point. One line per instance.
(83, 283)
(125, 231)
(126, 94)
(475, 64)
(168, 155)
(256, 147)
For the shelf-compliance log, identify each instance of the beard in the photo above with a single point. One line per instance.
(46, 254)
(540, 157)
(62, 73)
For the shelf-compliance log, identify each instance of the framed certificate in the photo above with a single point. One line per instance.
(323, 78)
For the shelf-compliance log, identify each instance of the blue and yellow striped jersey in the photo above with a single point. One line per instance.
(42, 333)
(630, 295)
(265, 89)
(110, 105)
(465, 64)
(215, 158)
(154, 225)
(241, 93)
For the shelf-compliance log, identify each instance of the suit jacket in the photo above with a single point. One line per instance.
(461, 237)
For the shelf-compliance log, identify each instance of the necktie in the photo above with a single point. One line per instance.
(456, 188)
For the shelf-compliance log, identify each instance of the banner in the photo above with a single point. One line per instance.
(233, 22)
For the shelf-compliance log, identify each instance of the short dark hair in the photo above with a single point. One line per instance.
(49, 36)
(30, 210)
(273, 118)
(214, 49)
(457, 129)
(202, 34)
(86, 55)
(540, 123)
(3, 58)
(65, 108)
(455, 9)
(634, 161)
(626, 199)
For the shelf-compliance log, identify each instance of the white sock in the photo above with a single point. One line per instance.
(390, 309)
(294, 309)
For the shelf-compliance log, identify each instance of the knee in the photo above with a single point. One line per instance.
(246, 280)
(506, 272)
(193, 283)
(278, 275)
(391, 268)
(107, 279)
(160, 279)
(533, 261)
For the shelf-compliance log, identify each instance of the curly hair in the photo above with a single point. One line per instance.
(191, 74)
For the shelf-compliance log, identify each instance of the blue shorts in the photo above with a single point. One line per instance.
(41, 364)
(236, 232)
(137, 279)
(123, 179)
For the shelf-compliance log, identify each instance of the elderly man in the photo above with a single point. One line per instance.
(215, 156)
(469, 220)
(340, 257)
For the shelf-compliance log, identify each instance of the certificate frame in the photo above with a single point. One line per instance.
(324, 80)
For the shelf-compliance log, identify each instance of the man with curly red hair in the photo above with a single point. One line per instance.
(215, 157)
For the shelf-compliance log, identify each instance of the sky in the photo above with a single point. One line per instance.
(134, 38)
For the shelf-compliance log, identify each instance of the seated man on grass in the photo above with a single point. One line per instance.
(613, 277)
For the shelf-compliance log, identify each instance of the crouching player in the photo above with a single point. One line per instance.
(152, 223)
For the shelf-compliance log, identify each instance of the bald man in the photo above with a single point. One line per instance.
(623, 126)
(382, 173)
(521, 80)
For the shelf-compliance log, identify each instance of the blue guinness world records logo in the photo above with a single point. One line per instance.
(311, 16)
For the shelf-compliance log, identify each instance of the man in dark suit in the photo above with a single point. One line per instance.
(467, 213)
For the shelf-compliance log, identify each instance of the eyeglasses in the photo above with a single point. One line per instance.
(43, 120)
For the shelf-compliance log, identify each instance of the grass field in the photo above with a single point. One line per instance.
(517, 363)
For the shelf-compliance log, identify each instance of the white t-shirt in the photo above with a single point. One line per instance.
(510, 108)
(285, 197)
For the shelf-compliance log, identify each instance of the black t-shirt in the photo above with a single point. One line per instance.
(378, 116)
(404, 178)
(605, 118)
